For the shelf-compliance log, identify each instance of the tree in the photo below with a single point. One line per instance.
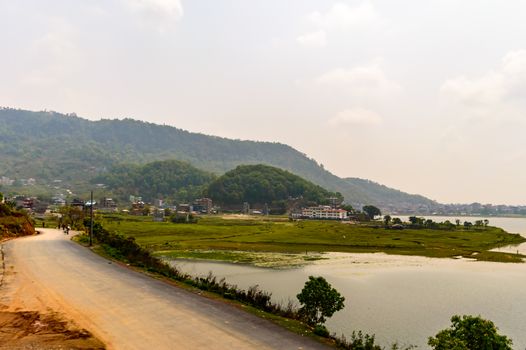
(371, 211)
(448, 224)
(470, 333)
(319, 300)
(457, 221)
(387, 220)
(397, 221)
(467, 225)
(146, 210)
(348, 208)
(416, 220)
(72, 215)
(486, 222)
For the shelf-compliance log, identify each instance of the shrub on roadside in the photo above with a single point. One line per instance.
(125, 248)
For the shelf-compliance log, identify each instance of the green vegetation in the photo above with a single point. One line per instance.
(470, 333)
(265, 184)
(126, 249)
(71, 216)
(363, 341)
(253, 299)
(261, 259)
(172, 180)
(371, 211)
(279, 235)
(319, 301)
(49, 145)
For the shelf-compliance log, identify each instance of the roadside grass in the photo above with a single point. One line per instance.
(238, 238)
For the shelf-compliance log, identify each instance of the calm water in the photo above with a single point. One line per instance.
(404, 299)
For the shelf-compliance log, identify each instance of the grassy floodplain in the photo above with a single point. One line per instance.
(276, 241)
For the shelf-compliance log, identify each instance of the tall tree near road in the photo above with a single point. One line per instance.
(319, 300)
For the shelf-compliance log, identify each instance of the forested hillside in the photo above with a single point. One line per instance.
(170, 180)
(259, 184)
(49, 146)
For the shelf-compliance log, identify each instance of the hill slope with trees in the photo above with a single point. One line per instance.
(50, 145)
(259, 184)
(169, 179)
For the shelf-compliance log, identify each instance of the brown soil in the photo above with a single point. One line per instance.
(40, 328)
(32, 330)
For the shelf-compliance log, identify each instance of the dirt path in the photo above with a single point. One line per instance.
(28, 319)
(126, 309)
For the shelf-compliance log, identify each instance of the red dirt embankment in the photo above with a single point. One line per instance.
(14, 223)
(32, 330)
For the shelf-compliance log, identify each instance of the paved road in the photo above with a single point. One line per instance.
(126, 309)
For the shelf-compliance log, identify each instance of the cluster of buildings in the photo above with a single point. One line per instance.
(198, 206)
(6, 181)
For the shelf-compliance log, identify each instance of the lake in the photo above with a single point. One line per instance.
(401, 298)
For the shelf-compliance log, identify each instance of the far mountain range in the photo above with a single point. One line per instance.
(50, 146)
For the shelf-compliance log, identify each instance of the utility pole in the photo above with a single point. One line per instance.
(91, 221)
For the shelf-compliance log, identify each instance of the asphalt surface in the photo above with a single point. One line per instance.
(127, 309)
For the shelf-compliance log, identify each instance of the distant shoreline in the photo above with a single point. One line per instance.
(512, 216)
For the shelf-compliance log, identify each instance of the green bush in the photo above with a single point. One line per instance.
(183, 219)
(470, 333)
(358, 341)
(321, 330)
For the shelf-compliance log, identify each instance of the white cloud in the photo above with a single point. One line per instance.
(495, 87)
(52, 57)
(340, 17)
(356, 116)
(159, 13)
(361, 80)
(313, 39)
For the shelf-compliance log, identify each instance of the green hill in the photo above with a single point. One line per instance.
(50, 146)
(259, 184)
(170, 179)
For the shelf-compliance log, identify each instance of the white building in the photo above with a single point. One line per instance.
(324, 212)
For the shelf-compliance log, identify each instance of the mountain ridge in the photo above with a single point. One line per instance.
(51, 145)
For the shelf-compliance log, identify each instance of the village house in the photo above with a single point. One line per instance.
(202, 205)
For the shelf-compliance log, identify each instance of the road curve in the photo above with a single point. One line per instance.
(124, 308)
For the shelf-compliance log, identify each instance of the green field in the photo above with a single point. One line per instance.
(279, 241)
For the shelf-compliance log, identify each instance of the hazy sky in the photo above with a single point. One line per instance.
(427, 96)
